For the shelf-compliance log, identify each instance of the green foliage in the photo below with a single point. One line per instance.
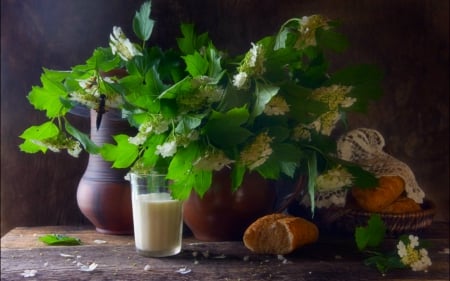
(384, 262)
(48, 97)
(197, 109)
(37, 133)
(142, 24)
(83, 138)
(122, 155)
(371, 235)
(59, 240)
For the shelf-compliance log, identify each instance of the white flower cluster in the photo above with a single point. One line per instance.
(167, 149)
(412, 255)
(90, 97)
(157, 125)
(333, 179)
(252, 65)
(335, 97)
(257, 152)
(307, 30)
(203, 97)
(121, 45)
(301, 132)
(276, 106)
(58, 143)
(213, 161)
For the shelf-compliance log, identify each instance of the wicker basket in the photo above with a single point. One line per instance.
(345, 220)
(396, 224)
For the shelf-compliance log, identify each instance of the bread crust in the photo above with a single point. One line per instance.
(402, 205)
(279, 234)
(376, 199)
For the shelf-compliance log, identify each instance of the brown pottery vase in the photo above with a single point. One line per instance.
(103, 195)
(222, 215)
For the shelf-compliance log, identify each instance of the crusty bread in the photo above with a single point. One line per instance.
(402, 205)
(376, 199)
(279, 234)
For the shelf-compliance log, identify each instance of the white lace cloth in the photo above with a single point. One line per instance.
(365, 147)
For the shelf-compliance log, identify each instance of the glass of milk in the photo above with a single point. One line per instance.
(157, 217)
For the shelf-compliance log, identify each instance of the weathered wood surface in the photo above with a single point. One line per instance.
(332, 258)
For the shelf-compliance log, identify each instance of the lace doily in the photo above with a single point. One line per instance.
(365, 147)
(326, 199)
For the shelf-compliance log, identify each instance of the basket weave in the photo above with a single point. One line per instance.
(345, 220)
(348, 219)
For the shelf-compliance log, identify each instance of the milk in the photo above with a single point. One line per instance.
(158, 224)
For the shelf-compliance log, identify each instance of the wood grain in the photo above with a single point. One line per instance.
(332, 258)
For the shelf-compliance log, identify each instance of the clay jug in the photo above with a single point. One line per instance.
(103, 195)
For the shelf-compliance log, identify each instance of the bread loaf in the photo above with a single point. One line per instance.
(279, 234)
(402, 205)
(376, 199)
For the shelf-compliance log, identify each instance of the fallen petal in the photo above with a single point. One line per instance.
(100, 241)
(29, 273)
(89, 268)
(183, 270)
(66, 255)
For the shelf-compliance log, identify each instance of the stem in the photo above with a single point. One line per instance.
(301, 183)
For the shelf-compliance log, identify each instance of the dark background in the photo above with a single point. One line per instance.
(408, 39)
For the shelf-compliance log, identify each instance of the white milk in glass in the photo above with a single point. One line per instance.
(157, 224)
(157, 217)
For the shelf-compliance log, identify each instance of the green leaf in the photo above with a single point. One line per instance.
(371, 235)
(191, 42)
(383, 262)
(142, 24)
(215, 68)
(237, 176)
(264, 93)
(149, 157)
(181, 172)
(83, 138)
(59, 240)
(196, 65)
(188, 123)
(202, 181)
(122, 155)
(182, 86)
(331, 39)
(48, 97)
(312, 175)
(28, 146)
(224, 129)
(41, 132)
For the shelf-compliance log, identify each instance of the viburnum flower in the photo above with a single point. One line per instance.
(412, 255)
(334, 96)
(240, 80)
(307, 30)
(301, 132)
(333, 179)
(251, 65)
(167, 149)
(121, 45)
(215, 160)
(60, 142)
(276, 106)
(326, 122)
(257, 152)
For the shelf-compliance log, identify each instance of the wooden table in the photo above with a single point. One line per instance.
(331, 258)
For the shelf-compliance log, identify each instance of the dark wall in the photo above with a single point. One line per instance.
(408, 39)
